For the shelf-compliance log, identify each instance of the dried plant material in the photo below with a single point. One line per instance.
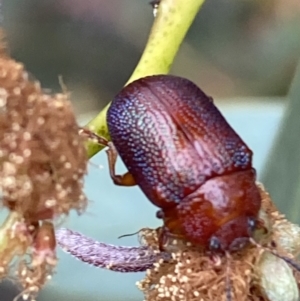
(33, 274)
(42, 164)
(27, 253)
(42, 156)
(271, 270)
(185, 273)
(14, 240)
(192, 275)
(288, 236)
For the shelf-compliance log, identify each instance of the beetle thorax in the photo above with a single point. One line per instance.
(220, 210)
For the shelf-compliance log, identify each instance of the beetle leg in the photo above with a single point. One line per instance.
(162, 238)
(122, 180)
(170, 242)
(93, 136)
(112, 154)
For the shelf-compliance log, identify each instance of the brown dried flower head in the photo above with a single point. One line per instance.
(42, 164)
(185, 273)
(252, 274)
(42, 156)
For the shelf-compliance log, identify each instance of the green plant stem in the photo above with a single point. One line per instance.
(282, 172)
(173, 19)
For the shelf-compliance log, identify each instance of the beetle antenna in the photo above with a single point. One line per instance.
(288, 260)
(228, 280)
(125, 235)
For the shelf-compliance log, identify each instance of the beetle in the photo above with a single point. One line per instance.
(188, 161)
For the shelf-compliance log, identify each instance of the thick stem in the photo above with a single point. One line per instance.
(173, 19)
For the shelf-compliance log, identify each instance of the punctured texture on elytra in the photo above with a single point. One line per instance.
(185, 157)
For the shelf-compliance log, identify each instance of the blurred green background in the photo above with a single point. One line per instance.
(242, 52)
(234, 48)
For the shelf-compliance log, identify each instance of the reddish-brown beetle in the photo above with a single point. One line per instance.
(187, 160)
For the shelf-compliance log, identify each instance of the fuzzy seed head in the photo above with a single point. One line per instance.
(42, 164)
